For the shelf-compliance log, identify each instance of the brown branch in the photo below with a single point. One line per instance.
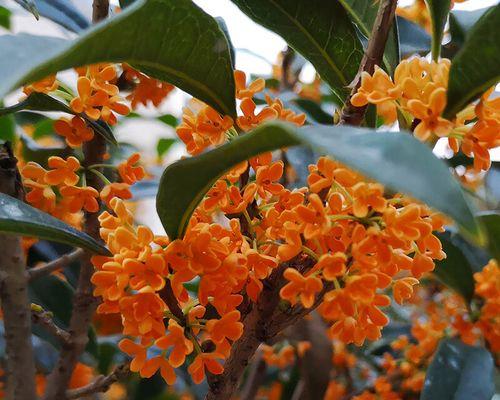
(16, 307)
(55, 265)
(84, 303)
(352, 115)
(44, 319)
(100, 385)
(255, 377)
(168, 296)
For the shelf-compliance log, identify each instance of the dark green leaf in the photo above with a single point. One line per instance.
(164, 145)
(397, 160)
(169, 119)
(491, 222)
(439, 10)
(5, 14)
(313, 111)
(29, 5)
(412, 38)
(475, 68)
(42, 102)
(126, 3)
(461, 22)
(19, 218)
(455, 270)
(363, 14)
(459, 372)
(54, 295)
(177, 42)
(7, 128)
(320, 30)
(64, 13)
(223, 28)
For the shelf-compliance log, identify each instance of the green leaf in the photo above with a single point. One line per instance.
(363, 14)
(164, 145)
(42, 102)
(461, 22)
(439, 10)
(455, 270)
(169, 120)
(475, 68)
(412, 38)
(397, 160)
(29, 5)
(491, 222)
(225, 31)
(64, 13)
(5, 14)
(44, 128)
(20, 218)
(177, 42)
(7, 128)
(459, 372)
(319, 30)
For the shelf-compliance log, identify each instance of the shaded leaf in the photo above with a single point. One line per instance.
(29, 5)
(43, 128)
(319, 30)
(20, 218)
(64, 13)
(412, 38)
(32, 151)
(475, 68)
(461, 22)
(223, 28)
(363, 14)
(177, 42)
(45, 103)
(455, 270)
(439, 10)
(459, 372)
(7, 128)
(491, 222)
(397, 160)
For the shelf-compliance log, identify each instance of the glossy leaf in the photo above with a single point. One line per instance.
(475, 68)
(397, 160)
(45, 103)
(177, 42)
(20, 218)
(64, 13)
(455, 270)
(319, 30)
(412, 38)
(459, 372)
(363, 14)
(439, 10)
(491, 222)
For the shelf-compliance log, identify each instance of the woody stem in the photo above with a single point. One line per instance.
(84, 303)
(352, 115)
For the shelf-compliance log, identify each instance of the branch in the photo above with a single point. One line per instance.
(84, 303)
(101, 384)
(16, 307)
(55, 265)
(352, 115)
(168, 296)
(44, 319)
(255, 377)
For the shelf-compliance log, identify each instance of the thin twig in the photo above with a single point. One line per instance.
(352, 115)
(168, 296)
(101, 384)
(55, 265)
(44, 319)
(16, 308)
(84, 303)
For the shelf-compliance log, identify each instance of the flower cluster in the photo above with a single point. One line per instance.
(418, 91)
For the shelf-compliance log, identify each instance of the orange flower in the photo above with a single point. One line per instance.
(242, 91)
(366, 196)
(138, 352)
(46, 85)
(228, 327)
(145, 273)
(158, 363)
(63, 171)
(305, 288)
(74, 131)
(175, 339)
(87, 101)
(41, 195)
(332, 266)
(116, 189)
(211, 125)
(249, 119)
(78, 198)
(261, 264)
(113, 104)
(130, 171)
(266, 178)
(202, 361)
(403, 289)
(314, 217)
(101, 75)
